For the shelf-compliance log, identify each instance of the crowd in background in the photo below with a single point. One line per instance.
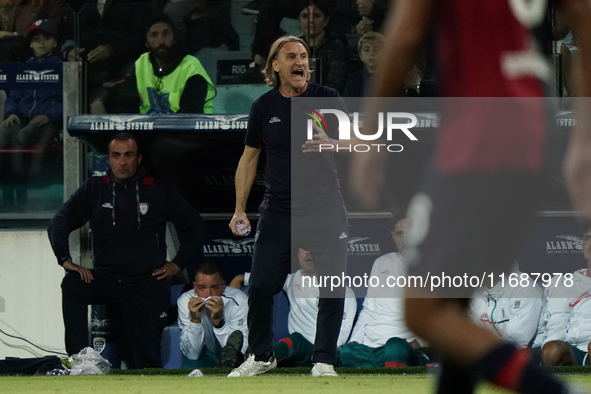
(109, 35)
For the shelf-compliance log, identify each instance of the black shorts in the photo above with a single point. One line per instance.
(468, 227)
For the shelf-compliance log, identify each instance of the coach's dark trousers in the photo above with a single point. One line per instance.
(278, 238)
(142, 306)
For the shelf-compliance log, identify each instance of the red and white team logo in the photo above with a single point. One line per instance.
(144, 206)
(99, 344)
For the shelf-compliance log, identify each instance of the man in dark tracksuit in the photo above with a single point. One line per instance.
(128, 211)
(302, 207)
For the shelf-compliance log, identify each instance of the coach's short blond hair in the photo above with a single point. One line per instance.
(371, 36)
(272, 76)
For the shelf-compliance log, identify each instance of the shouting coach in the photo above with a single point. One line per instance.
(310, 214)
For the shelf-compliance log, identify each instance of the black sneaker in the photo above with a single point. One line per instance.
(252, 8)
(229, 357)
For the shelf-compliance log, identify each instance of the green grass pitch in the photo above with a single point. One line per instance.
(295, 381)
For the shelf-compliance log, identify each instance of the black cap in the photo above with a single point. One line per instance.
(43, 26)
(159, 17)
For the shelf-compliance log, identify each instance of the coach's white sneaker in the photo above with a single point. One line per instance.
(251, 367)
(323, 369)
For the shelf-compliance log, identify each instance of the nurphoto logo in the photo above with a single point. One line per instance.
(394, 121)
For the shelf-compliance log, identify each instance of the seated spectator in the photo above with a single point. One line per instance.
(513, 312)
(204, 23)
(350, 17)
(267, 30)
(360, 16)
(569, 309)
(167, 79)
(296, 349)
(212, 319)
(380, 336)
(369, 48)
(327, 47)
(33, 117)
(110, 39)
(15, 18)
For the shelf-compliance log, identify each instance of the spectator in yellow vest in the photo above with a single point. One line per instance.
(166, 78)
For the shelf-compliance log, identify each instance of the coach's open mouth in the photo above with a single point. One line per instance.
(298, 73)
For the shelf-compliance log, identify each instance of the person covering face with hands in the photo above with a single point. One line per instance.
(212, 319)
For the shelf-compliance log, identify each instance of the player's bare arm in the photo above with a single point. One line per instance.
(245, 174)
(577, 166)
(408, 24)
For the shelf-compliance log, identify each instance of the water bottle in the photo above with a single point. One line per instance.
(241, 228)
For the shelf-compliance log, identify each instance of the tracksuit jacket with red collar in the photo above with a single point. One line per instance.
(128, 224)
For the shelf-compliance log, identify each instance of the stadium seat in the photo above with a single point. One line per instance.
(172, 357)
(280, 315)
